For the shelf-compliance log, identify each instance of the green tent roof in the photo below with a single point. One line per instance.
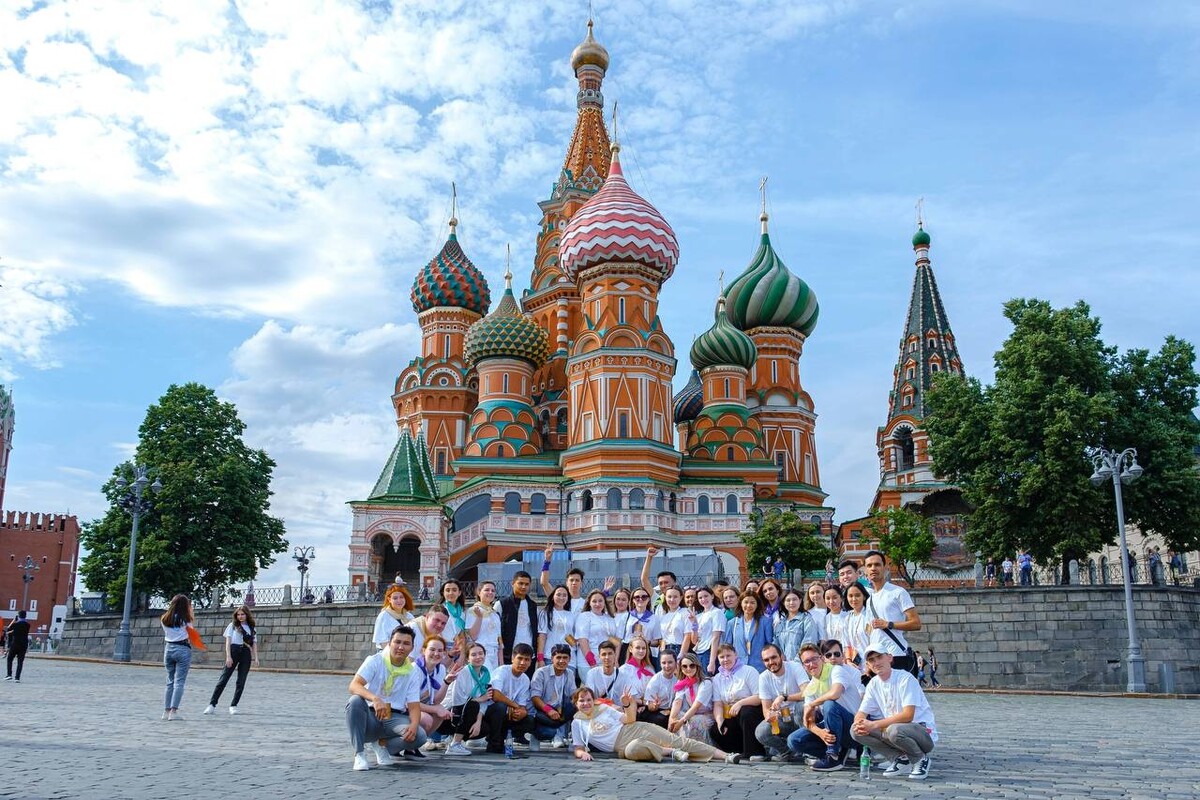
(407, 476)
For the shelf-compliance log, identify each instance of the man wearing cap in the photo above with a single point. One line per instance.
(894, 718)
(385, 702)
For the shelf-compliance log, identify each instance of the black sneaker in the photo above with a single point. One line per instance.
(827, 764)
(414, 755)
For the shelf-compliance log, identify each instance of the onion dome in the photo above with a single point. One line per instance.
(767, 294)
(589, 51)
(450, 279)
(920, 238)
(616, 224)
(690, 401)
(507, 333)
(723, 345)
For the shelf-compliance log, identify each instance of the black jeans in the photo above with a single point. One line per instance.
(240, 654)
(19, 655)
(496, 723)
(658, 718)
(739, 733)
(464, 717)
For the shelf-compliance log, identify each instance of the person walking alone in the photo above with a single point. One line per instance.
(17, 636)
(241, 647)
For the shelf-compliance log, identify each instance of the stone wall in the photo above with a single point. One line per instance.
(1057, 637)
(1046, 638)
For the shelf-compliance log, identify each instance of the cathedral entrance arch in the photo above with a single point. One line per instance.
(404, 560)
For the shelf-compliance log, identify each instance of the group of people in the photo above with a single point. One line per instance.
(1005, 573)
(179, 636)
(753, 674)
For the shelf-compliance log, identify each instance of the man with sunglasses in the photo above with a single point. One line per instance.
(781, 688)
(828, 716)
(894, 718)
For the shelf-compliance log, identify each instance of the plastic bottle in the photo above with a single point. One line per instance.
(508, 745)
(864, 765)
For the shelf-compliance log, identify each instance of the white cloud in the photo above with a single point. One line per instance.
(36, 308)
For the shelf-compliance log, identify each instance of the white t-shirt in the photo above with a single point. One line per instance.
(850, 680)
(522, 634)
(419, 636)
(385, 623)
(770, 686)
(428, 693)
(405, 688)
(858, 633)
(660, 689)
(467, 687)
(611, 686)
(595, 628)
(818, 615)
(885, 698)
(600, 732)
(557, 630)
(577, 604)
(835, 626)
(674, 626)
(704, 695)
(889, 603)
(514, 687)
(707, 623)
(236, 635)
(177, 634)
(629, 625)
(452, 630)
(638, 684)
(742, 683)
(553, 689)
(489, 637)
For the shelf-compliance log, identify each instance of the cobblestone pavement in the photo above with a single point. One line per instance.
(91, 730)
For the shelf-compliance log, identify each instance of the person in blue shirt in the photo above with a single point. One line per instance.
(749, 631)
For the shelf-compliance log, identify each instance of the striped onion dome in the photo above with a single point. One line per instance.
(507, 333)
(450, 279)
(723, 345)
(616, 224)
(690, 401)
(767, 294)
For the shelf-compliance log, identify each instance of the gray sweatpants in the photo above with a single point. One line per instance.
(774, 743)
(365, 727)
(907, 738)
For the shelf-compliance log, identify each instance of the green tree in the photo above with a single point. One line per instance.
(1017, 448)
(784, 533)
(904, 536)
(209, 527)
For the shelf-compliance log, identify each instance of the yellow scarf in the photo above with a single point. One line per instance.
(394, 672)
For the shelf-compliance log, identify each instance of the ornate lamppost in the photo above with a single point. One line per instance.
(302, 557)
(29, 567)
(135, 504)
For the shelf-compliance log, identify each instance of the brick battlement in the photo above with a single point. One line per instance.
(37, 521)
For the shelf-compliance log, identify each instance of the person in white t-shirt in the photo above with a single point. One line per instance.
(662, 581)
(467, 698)
(607, 681)
(614, 728)
(556, 623)
(892, 612)
(593, 626)
(710, 626)
(385, 702)
(894, 718)
(431, 623)
(673, 622)
(814, 606)
(660, 691)
(780, 686)
(737, 709)
(240, 647)
(692, 706)
(827, 716)
(512, 706)
(487, 623)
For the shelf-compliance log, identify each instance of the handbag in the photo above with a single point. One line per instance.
(908, 651)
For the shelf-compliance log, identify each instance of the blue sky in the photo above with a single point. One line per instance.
(221, 192)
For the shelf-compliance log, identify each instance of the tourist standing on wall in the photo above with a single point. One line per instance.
(989, 573)
(17, 637)
(177, 652)
(1025, 564)
(241, 647)
(893, 614)
(1006, 571)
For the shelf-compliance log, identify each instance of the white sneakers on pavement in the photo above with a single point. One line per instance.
(382, 756)
(209, 710)
(360, 762)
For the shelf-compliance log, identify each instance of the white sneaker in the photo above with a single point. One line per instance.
(382, 756)
(477, 744)
(557, 743)
(208, 710)
(174, 716)
(431, 745)
(233, 712)
(680, 755)
(360, 763)
(535, 744)
(166, 715)
(458, 749)
(891, 768)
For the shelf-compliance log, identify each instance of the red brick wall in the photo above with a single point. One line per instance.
(54, 537)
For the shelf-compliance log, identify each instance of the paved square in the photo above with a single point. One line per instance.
(86, 730)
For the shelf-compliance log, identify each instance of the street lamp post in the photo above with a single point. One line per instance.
(28, 566)
(136, 505)
(302, 556)
(1122, 468)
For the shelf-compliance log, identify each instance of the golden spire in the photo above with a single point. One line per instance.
(453, 209)
(508, 267)
(762, 190)
(616, 139)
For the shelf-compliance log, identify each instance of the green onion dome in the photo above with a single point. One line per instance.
(507, 333)
(450, 279)
(723, 345)
(767, 294)
(920, 238)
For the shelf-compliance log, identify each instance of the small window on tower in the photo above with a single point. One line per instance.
(504, 383)
(933, 367)
(729, 454)
(727, 387)
(909, 373)
(622, 426)
(780, 462)
(446, 346)
(774, 371)
(621, 310)
(440, 459)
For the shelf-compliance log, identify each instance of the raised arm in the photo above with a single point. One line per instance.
(651, 552)
(544, 577)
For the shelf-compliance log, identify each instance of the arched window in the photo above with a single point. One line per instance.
(727, 387)
(621, 310)
(729, 453)
(731, 504)
(637, 499)
(1092, 571)
(613, 499)
(512, 503)
(702, 505)
(1104, 569)
(537, 503)
(661, 503)
(585, 500)
(905, 449)
(562, 421)
(673, 504)
(504, 383)
(545, 422)
(570, 501)
(440, 460)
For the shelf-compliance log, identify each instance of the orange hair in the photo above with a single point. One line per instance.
(408, 601)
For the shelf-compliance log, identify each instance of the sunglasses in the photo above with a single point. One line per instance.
(687, 666)
(834, 654)
(641, 597)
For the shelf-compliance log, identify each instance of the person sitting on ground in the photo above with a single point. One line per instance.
(385, 702)
(660, 691)
(512, 706)
(780, 688)
(551, 691)
(692, 706)
(737, 709)
(827, 716)
(605, 729)
(469, 696)
(436, 681)
(895, 719)
(397, 611)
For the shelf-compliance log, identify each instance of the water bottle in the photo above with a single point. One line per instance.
(864, 765)
(508, 745)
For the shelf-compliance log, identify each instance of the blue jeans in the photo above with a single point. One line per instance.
(546, 728)
(177, 658)
(836, 720)
(1027, 576)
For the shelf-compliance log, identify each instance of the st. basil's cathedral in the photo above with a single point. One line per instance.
(551, 419)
